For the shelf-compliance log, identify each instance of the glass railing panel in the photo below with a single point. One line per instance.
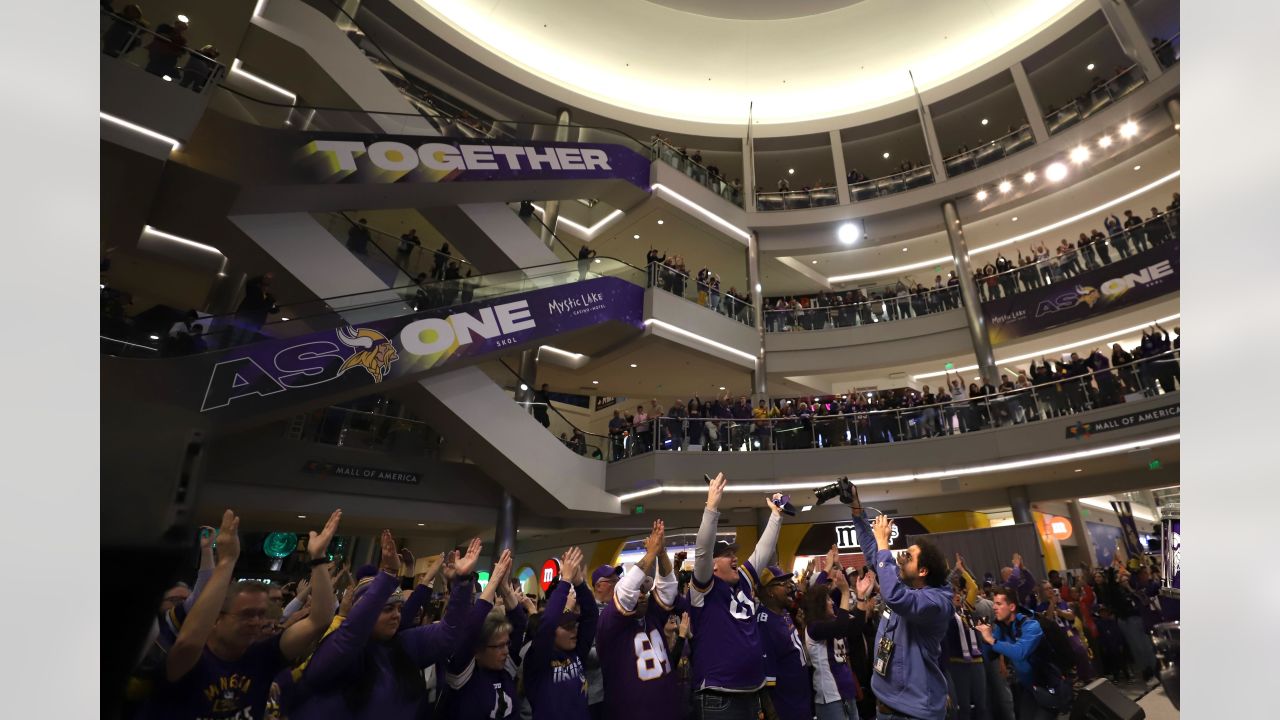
(890, 184)
(1168, 52)
(1052, 391)
(709, 177)
(987, 153)
(407, 252)
(365, 430)
(842, 312)
(1095, 99)
(728, 302)
(164, 52)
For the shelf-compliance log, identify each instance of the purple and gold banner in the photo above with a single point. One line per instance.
(1121, 284)
(345, 158)
(365, 355)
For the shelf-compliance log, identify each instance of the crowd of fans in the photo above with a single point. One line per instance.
(691, 164)
(668, 272)
(166, 45)
(905, 636)
(1047, 389)
(861, 307)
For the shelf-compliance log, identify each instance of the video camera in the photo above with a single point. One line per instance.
(841, 487)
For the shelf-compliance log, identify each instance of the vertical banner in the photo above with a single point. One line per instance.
(1171, 552)
(1129, 529)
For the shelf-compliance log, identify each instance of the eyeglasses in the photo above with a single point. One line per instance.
(904, 557)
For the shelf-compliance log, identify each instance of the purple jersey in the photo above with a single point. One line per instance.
(786, 670)
(554, 680)
(217, 689)
(727, 652)
(476, 693)
(638, 678)
(832, 676)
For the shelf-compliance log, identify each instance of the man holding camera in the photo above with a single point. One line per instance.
(1017, 636)
(728, 669)
(908, 680)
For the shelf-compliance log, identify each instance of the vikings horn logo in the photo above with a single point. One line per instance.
(373, 352)
(1088, 295)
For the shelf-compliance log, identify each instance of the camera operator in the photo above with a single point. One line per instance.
(1018, 637)
(728, 656)
(908, 680)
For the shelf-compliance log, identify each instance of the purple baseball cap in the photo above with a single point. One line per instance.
(605, 571)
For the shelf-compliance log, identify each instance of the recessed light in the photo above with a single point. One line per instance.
(1177, 126)
(791, 171)
(595, 382)
(636, 236)
(1055, 172)
(167, 78)
(183, 19)
(422, 524)
(1015, 218)
(815, 262)
(1005, 186)
(1079, 470)
(302, 517)
(1129, 129)
(1104, 142)
(155, 337)
(982, 195)
(721, 387)
(984, 121)
(659, 222)
(904, 249)
(1089, 66)
(1030, 177)
(284, 319)
(633, 365)
(1079, 154)
(1137, 167)
(848, 233)
(886, 156)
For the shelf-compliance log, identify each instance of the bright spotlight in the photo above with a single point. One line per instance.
(1129, 129)
(1055, 172)
(848, 233)
(984, 122)
(1005, 186)
(886, 156)
(524, 388)
(183, 19)
(1104, 142)
(1089, 66)
(1029, 178)
(982, 195)
(635, 237)
(1079, 154)
(659, 222)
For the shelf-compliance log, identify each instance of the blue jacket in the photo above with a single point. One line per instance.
(1018, 642)
(916, 621)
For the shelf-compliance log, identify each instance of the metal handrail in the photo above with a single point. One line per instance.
(396, 238)
(657, 269)
(946, 290)
(1024, 129)
(920, 169)
(606, 440)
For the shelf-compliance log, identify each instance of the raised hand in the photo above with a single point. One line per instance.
(833, 558)
(838, 579)
(654, 543)
(864, 584)
(465, 564)
(683, 629)
(228, 542)
(715, 490)
(206, 537)
(390, 560)
(959, 562)
(434, 563)
(571, 566)
(882, 528)
(773, 507)
(318, 543)
(450, 565)
(500, 570)
(985, 630)
(304, 589)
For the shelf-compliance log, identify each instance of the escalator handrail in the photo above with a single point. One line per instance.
(386, 234)
(570, 423)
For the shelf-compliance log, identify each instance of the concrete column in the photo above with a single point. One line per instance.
(1030, 105)
(969, 295)
(551, 208)
(837, 158)
(1174, 108)
(748, 175)
(504, 534)
(1132, 40)
(1020, 505)
(759, 383)
(931, 142)
(528, 376)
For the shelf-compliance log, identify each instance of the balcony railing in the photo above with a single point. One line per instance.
(679, 159)
(891, 184)
(797, 199)
(704, 292)
(1054, 397)
(989, 152)
(834, 312)
(159, 53)
(1095, 99)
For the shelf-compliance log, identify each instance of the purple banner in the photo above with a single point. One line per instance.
(364, 355)
(345, 158)
(1121, 284)
(1129, 529)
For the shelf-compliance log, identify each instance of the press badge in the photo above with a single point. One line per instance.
(884, 653)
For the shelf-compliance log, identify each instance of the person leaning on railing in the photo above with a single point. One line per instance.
(126, 31)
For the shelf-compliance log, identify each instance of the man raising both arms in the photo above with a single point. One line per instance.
(907, 676)
(728, 656)
(638, 680)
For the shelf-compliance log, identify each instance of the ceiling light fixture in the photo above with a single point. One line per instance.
(722, 387)
(633, 365)
(1029, 177)
(904, 249)
(183, 19)
(1005, 186)
(848, 233)
(815, 262)
(1104, 142)
(237, 68)
(984, 122)
(636, 236)
(886, 156)
(582, 231)
(422, 524)
(148, 230)
(1089, 66)
(154, 337)
(1017, 238)
(659, 222)
(933, 475)
(1055, 172)
(525, 388)
(284, 319)
(982, 195)
(694, 336)
(791, 171)
(1079, 154)
(1015, 218)
(173, 144)
(1137, 167)
(302, 517)
(1079, 470)
(1129, 129)
(595, 382)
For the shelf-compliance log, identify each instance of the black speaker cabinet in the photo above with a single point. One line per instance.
(1100, 700)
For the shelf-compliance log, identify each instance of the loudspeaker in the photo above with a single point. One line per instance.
(1100, 700)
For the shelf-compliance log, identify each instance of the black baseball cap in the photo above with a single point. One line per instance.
(723, 549)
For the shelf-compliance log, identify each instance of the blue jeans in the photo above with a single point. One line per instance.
(838, 710)
(726, 706)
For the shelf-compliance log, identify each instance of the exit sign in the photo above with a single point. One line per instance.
(638, 510)
(1154, 465)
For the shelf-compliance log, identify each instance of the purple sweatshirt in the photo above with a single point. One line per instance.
(343, 655)
(554, 679)
(476, 693)
(1025, 585)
